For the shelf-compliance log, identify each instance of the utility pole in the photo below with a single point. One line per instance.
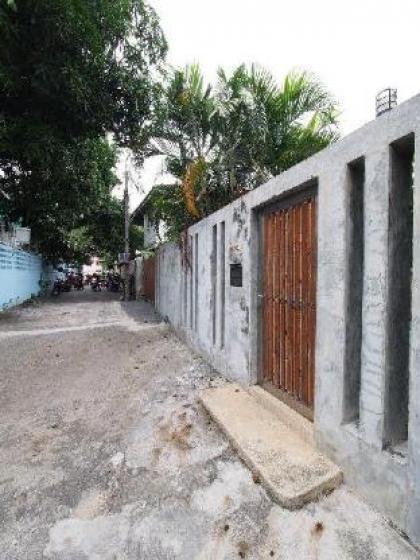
(126, 216)
(126, 203)
(127, 222)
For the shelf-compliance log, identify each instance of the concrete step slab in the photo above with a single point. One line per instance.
(290, 468)
(303, 427)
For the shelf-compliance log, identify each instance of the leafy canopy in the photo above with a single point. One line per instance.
(72, 74)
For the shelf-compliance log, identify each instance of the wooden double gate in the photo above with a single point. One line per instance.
(289, 300)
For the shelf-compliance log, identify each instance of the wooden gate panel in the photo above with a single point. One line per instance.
(149, 274)
(289, 291)
(305, 297)
(312, 298)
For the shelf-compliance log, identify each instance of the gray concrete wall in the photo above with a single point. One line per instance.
(192, 297)
(169, 279)
(138, 277)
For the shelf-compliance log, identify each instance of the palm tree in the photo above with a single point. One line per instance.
(186, 134)
(184, 131)
(264, 129)
(219, 145)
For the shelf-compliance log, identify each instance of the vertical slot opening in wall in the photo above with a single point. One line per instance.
(222, 284)
(191, 281)
(354, 285)
(184, 268)
(214, 284)
(400, 254)
(196, 282)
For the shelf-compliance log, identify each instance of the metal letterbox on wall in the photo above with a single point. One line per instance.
(236, 275)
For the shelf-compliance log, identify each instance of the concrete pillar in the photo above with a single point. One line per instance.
(413, 521)
(330, 332)
(255, 309)
(377, 188)
(157, 279)
(184, 273)
(221, 284)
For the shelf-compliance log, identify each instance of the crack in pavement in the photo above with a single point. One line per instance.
(130, 325)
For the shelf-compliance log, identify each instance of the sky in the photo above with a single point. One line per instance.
(355, 47)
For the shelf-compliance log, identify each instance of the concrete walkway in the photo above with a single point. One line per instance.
(106, 453)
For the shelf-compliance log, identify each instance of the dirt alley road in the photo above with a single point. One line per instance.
(105, 453)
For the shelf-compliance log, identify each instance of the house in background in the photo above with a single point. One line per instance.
(94, 267)
(15, 235)
(154, 233)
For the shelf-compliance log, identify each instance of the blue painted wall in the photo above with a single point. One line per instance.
(20, 275)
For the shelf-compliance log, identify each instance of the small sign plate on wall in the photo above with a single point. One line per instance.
(236, 275)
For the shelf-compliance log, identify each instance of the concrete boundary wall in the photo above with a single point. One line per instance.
(169, 280)
(20, 276)
(362, 264)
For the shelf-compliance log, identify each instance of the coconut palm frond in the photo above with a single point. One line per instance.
(302, 93)
(221, 141)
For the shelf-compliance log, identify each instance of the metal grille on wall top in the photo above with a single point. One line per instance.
(6, 258)
(13, 259)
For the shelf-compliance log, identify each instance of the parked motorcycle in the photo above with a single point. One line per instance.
(113, 284)
(57, 287)
(78, 283)
(66, 285)
(95, 284)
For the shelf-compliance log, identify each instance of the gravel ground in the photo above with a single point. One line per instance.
(105, 453)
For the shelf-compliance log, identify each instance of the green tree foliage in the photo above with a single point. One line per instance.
(266, 128)
(72, 73)
(185, 126)
(68, 185)
(101, 235)
(245, 130)
(167, 204)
